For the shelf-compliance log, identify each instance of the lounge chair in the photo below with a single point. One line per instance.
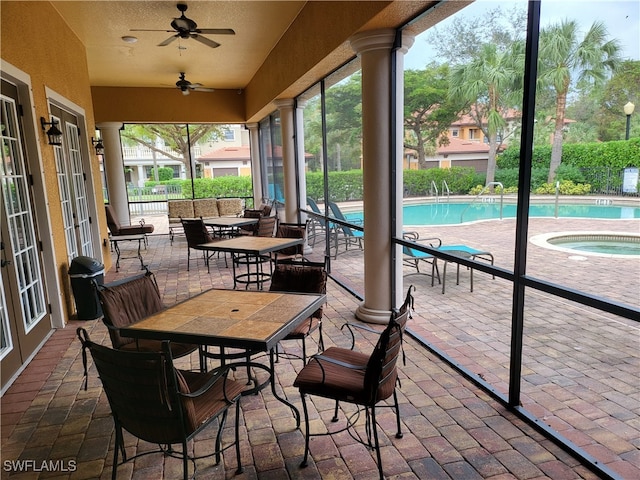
(318, 225)
(413, 257)
(118, 230)
(343, 233)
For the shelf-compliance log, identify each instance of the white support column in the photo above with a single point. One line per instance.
(114, 170)
(256, 172)
(302, 163)
(374, 48)
(285, 106)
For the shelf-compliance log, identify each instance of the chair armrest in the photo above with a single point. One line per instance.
(216, 375)
(434, 242)
(350, 326)
(321, 358)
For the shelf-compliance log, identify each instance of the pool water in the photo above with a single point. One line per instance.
(598, 243)
(456, 213)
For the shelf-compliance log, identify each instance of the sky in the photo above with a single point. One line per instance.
(621, 17)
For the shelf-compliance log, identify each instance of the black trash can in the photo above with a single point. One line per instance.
(83, 271)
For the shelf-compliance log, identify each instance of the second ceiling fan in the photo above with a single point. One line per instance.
(186, 86)
(184, 27)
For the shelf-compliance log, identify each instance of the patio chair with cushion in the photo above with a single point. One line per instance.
(302, 277)
(198, 236)
(157, 403)
(117, 230)
(291, 230)
(129, 300)
(348, 376)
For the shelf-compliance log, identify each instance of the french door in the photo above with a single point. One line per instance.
(72, 188)
(24, 313)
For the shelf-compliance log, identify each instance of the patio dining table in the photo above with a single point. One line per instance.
(249, 320)
(252, 251)
(229, 224)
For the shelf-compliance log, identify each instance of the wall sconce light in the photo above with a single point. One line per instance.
(54, 135)
(97, 144)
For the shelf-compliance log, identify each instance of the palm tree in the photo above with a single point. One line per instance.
(491, 83)
(562, 55)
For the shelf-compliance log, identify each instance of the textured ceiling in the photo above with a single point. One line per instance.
(100, 26)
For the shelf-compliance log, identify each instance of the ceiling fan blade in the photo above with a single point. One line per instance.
(205, 40)
(216, 31)
(168, 41)
(149, 30)
(202, 89)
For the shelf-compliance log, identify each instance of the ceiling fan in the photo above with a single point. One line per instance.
(184, 27)
(186, 86)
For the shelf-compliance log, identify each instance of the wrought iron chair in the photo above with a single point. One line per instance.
(302, 277)
(353, 377)
(116, 229)
(198, 237)
(127, 301)
(157, 403)
(291, 230)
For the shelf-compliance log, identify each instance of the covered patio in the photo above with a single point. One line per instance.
(452, 428)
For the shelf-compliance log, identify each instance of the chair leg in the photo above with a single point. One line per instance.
(306, 435)
(239, 469)
(118, 445)
(399, 433)
(335, 412)
(185, 461)
(221, 422)
(320, 338)
(377, 442)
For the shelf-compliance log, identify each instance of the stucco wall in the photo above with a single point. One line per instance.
(35, 40)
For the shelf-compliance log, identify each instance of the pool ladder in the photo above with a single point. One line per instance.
(434, 188)
(488, 199)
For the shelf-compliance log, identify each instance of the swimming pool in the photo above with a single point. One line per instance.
(456, 213)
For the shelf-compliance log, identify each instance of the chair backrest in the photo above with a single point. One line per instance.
(381, 373)
(127, 301)
(337, 213)
(292, 230)
(142, 389)
(300, 276)
(315, 209)
(252, 213)
(195, 231)
(112, 221)
(266, 226)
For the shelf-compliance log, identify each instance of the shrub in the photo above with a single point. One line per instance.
(567, 187)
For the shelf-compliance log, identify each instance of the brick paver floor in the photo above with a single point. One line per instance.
(580, 374)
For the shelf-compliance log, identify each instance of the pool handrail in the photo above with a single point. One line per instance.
(445, 188)
(486, 187)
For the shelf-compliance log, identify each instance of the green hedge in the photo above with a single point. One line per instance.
(614, 155)
(220, 187)
(347, 185)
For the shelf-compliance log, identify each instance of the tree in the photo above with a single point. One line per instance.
(344, 123)
(428, 109)
(176, 143)
(561, 55)
(623, 87)
(492, 84)
(458, 42)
